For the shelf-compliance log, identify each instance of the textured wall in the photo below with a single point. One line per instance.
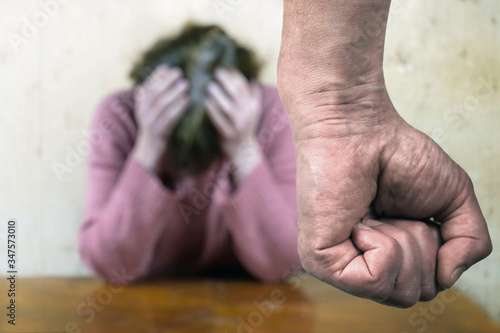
(56, 62)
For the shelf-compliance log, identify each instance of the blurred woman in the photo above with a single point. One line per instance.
(195, 170)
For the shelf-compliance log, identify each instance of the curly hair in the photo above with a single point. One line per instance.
(198, 51)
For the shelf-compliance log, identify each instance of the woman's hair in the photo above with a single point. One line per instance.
(198, 51)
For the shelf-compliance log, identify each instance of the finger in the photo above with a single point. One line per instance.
(408, 281)
(169, 119)
(221, 99)
(159, 82)
(180, 87)
(428, 238)
(233, 82)
(170, 81)
(365, 265)
(220, 122)
(466, 238)
(155, 79)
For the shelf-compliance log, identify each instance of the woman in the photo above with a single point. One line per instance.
(196, 168)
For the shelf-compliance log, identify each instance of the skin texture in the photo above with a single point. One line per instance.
(355, 154)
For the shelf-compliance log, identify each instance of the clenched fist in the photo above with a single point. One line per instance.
(355, 154)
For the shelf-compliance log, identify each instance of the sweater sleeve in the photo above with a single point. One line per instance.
(262, 211)
(126, 207)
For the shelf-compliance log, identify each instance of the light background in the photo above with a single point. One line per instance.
(438, 53)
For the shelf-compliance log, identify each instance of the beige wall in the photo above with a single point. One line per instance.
(438, 54)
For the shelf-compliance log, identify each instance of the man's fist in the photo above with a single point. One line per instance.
(361, 154)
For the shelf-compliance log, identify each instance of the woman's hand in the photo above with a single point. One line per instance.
(234, 106)
(160, 102)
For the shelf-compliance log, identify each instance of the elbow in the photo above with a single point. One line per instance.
(278, 267)
(277, 276)
(119, 277)
(276, 271)
(105, 268)
(110, 273)
(269, 278)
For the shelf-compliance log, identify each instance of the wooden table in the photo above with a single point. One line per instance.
(209, 305)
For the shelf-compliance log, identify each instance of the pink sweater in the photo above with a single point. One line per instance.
(135, 226)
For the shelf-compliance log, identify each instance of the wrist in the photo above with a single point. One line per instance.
(148, 152)
(362, 110)
(245, 160)
(338, 45)
(316, 86)
(246, 150)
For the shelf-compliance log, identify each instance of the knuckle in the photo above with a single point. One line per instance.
(403, 299)
(411, 298)
(485, 248)
(420, 229)
(405, 237)
(428, 293)
(409, 301)
(393, 247)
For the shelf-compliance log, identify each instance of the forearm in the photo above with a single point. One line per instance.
(331, 45)
(148, 153)
(244, 161)
(123, 230)
(151, 154)
(262, 219)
